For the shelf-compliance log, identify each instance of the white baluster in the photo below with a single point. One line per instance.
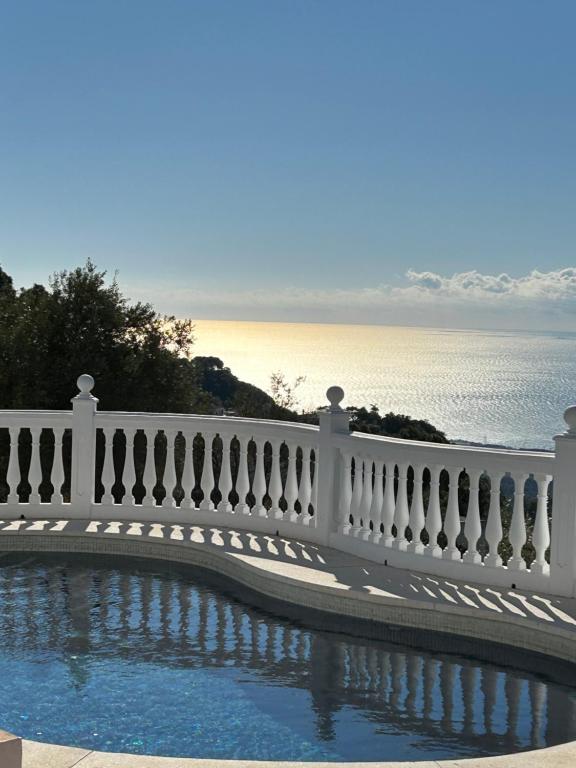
(416, 519)
(243, 479)
(541, 533)
(129, 474)
(207, 481)
(291, 489)
(473, 526)
(170, 479)
(493, 532)
(366, 500)
(517, 533)
(225, 479)
(308, 520)
(401, 514)
(150, 477)
(389, 505)
(357, 495)
(275, 485)
(345, 501)
(108, 477)
(377, 501)
(13, 474)
(259, 482)
(57, 472)
(452, 519)
(433, 514)
(35, 472)
(305, 488)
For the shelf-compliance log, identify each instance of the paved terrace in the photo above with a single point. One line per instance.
(318, 578)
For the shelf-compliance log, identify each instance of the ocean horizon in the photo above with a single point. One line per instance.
(484, 386)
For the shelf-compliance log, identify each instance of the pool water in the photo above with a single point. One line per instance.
(128, 656)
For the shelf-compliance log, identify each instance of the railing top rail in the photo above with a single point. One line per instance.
(37, 418)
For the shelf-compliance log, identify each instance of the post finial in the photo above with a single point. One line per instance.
(85, 384)
(335, 396)
(570, 419)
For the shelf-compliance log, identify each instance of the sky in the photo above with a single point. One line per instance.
(376, 161)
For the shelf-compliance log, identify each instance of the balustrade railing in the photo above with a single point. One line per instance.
(501, 517)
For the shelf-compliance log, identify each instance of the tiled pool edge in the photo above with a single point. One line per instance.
(276, 582)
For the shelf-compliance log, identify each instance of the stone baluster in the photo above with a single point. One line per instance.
(291, 489)
(345, 494)
(57, 473)
(129, 473)
(170, 480)
(13, 474)
(150, 477)
(207, 481)
(366, 500)
(416, 519)
(389, 505)
(541, 533)
(35, 472)
(517, 533)
(243, 478)
(259, 482)
(305, 487)
(225, 479)
(452, 519)
(356, 496)
(377, 501)
(275, 484)
(312, 521)
(433, 514)
(401, 513)
(493, 531)
(473, 526)
(108, 476)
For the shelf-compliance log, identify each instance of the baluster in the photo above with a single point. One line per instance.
(377, 501)
(169, 480)
(108, 476)
(13, 474)
(541, 533)
(517, 533)
(150, 477)
(291, 489)
(389, 505)
(416, 519)
(259, 482)
(243, 479)
(433, 514)
(473, 526)
(345, 507)
(129, 474)
(493, 532)
(207, 481)
(401, 515)
(366, 500)
(313, 521)
(305, 489)
(225, 479)
(35, 472)
(452, 519)
(57, 472)
(275, 485)
(356, 496)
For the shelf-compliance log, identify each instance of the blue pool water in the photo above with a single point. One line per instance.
(146, 659)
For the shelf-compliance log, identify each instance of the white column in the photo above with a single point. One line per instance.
(377, 501)
(517, 533)
(149, 479)
(305, 487)
(83, 448)
(389, 505)
(13, 475)
(169, 480)
(291, 489)
(129, 473)
(243, 479)
(108, 467)
(541, 533)
(563, 541)
(433, 514)
(473, 526)
(35, 471)
(57, 472)
(416, 519)
(401, 513)
(259, 482)
(366, 500)
(207, 481)
(345, 493)
(452, 519)
(275, 484)
(493, 532)
(225, 479)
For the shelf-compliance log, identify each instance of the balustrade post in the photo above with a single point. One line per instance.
(333, 420)
(84, 407)
(563, 540)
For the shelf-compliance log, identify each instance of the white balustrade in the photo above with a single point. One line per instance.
(170, 480)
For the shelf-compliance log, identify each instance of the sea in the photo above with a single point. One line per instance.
(489, 387)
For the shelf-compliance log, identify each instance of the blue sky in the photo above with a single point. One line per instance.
(294, 159)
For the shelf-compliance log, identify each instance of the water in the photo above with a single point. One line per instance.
(149, 659)
(483, 386)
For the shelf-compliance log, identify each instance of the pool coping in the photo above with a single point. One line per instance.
(321, 579)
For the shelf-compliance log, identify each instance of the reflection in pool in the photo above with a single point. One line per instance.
(143, 658)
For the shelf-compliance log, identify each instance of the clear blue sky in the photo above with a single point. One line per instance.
(294, 158)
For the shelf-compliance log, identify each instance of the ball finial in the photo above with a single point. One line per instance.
(570, 419)
(335, 396)
(85, 384)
